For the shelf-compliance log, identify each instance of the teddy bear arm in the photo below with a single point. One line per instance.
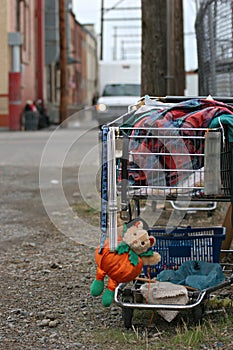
(151, 260)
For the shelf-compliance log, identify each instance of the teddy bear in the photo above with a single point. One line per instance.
(125, 263)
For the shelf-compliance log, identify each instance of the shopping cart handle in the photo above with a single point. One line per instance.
(174, 307)
(177, 207)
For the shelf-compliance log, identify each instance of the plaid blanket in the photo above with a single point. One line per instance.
(150, 149)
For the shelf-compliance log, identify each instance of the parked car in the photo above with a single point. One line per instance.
(115, 101)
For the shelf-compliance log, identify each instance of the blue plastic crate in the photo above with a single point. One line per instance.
(181, 244)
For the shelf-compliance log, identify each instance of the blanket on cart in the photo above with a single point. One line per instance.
(178, 125)
(196, 274)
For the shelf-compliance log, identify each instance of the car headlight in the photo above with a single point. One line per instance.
(101, 107)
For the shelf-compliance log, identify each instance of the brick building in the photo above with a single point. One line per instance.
(29, 58)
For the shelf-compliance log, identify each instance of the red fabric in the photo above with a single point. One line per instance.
(196, 113)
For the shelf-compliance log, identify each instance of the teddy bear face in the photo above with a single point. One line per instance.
(138, 239)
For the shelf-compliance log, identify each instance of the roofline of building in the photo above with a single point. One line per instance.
(84, 26)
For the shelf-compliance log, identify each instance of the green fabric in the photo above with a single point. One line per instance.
(226, 120)
(122, 248)
(147, 253)
(125, 228)
(97, 288)
(125, 248)
(107, 298)
(196, 274)
(133, 257)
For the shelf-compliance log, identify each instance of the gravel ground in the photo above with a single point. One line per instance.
(45, 277)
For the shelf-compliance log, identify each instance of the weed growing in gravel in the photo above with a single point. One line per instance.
(213, 333)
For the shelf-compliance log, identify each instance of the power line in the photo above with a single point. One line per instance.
(107, 10)
(122, 19)
(124, 8)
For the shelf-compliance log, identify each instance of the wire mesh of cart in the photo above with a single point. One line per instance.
(167, 149)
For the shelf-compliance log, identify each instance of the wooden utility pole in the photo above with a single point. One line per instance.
(63, 60)
(178, 50)
(162, 48)
(102, 30)
(153, 48)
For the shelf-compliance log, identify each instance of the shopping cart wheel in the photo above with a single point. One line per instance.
(198, 313)
(127, 316)
(127, 312)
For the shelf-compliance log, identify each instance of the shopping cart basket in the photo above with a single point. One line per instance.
(148, 157)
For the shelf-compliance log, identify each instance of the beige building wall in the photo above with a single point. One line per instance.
(92, 64)
(71, 68)
(4, 61)
(8, 24)
(28, 52)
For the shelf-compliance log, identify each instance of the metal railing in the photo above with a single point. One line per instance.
(214, 33)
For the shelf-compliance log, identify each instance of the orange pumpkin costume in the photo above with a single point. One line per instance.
(124, 264)
(117, 267)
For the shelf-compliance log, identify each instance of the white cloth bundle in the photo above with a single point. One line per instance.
(165, 293)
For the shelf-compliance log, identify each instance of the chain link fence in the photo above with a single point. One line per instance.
(214, 34)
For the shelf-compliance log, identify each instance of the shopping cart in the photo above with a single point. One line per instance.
(163, 150)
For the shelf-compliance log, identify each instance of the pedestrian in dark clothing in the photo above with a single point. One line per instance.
(30, 116)
(43, 116)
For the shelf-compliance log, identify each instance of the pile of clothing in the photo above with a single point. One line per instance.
(178, 121)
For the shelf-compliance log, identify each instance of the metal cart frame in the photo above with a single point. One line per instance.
(128, 174)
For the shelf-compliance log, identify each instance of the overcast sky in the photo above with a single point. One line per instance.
(89, 11)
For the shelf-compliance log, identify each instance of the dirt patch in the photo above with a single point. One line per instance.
(45, 279)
